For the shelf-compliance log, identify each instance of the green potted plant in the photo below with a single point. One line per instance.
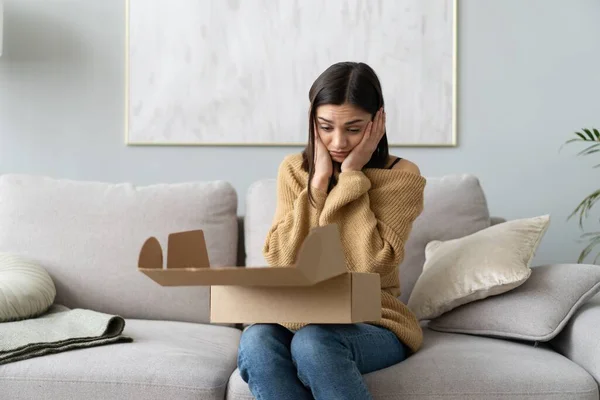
(591, 137)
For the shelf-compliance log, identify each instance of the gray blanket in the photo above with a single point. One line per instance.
(60, 329)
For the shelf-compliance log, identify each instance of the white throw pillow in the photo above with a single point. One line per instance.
(26, 289)
(486, 263)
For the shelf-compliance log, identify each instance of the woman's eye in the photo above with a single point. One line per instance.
(326, 128)
(354, 130)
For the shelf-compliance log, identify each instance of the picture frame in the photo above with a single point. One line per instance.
(175, 97)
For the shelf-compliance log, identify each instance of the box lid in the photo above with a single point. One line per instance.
(320, 257)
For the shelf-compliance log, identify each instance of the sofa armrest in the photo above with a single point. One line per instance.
(579, 340)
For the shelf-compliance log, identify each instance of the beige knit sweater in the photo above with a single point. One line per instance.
(374, 210)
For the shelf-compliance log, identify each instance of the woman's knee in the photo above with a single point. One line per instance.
(314, 345)
(260, 342)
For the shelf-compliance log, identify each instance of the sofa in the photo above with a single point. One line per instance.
(88, 235)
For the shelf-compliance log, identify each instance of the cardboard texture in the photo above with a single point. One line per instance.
(348, 298)
(317, 288)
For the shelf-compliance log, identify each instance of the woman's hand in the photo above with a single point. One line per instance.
(363, 152)
(323, 165)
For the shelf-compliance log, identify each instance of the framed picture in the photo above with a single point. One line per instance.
(237, 73)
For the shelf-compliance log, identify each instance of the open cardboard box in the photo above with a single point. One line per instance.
(317, 288)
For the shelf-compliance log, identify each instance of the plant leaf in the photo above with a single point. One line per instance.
(580, 138)
(590, 134)
(589, 149)
(597, 133)
(588, 234)
(568, 142)
(581, 135)
(584, 207)
(588, 249)
(574, 140)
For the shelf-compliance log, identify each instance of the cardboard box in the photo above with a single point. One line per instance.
(317, 288)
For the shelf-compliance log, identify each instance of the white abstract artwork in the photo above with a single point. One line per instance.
(237, 72)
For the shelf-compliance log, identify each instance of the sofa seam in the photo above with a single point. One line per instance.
(570, 315)
(508, 394)
(189, 388)
(240, 394)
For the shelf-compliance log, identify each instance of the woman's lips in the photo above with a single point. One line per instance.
(338, 154)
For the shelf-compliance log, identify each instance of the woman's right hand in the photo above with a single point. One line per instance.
(323, 165)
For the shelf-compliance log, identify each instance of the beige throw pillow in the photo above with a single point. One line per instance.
(486, 263)
(26, 289)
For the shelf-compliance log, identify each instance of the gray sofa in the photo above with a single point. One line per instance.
(88, 235)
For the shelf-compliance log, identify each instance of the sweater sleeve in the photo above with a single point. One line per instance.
(294, 217)
(374, 216)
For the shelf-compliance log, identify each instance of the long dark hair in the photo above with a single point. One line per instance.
(345, 82)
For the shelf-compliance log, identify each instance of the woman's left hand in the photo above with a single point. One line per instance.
(363, 152)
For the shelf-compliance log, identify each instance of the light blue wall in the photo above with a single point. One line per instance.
(528, 76)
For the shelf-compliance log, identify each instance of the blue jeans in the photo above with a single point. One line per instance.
(317, 362)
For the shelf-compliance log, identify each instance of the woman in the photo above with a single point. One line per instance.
(345, 176)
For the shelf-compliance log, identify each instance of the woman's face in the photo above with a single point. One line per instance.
(341, 128)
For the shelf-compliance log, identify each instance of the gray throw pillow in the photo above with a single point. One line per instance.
(537, 310)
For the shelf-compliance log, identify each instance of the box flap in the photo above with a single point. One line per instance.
(320, 257)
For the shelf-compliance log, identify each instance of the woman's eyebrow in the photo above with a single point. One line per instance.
(353, 121)
(347, 123)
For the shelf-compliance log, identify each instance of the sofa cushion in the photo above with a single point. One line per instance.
(578, 340)
(462, 367)
(537, 310)
(166, 360)
(454, 206)
(88, 235)
(261, 201)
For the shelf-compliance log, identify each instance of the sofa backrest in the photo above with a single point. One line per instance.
(87, 235)
(455, 206)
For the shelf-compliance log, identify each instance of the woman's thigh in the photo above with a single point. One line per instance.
(371, 347)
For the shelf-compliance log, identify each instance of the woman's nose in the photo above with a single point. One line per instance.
(339, 141)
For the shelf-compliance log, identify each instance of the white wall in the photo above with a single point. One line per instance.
(528, 77)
